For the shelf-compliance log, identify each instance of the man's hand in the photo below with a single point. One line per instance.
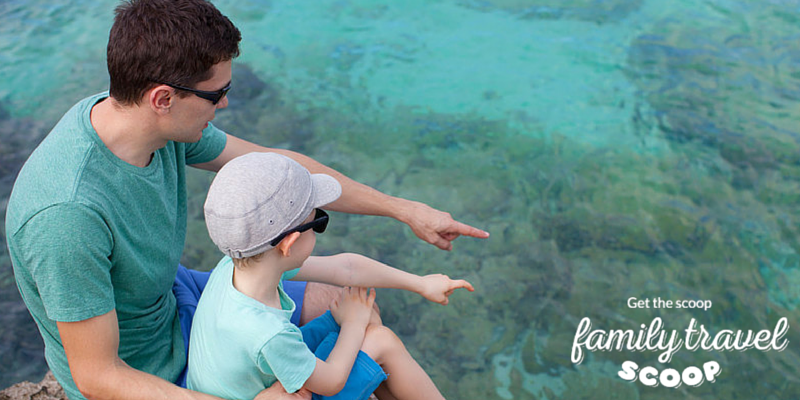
(438, 288)
(436, 227)
(277, 392)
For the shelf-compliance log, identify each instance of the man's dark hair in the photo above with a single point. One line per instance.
(166, 41)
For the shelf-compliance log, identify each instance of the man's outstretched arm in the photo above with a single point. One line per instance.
(433, 226)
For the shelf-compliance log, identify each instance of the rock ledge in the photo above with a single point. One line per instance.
(47, 389)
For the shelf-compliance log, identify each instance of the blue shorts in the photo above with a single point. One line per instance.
(320, 336)
(188, 286)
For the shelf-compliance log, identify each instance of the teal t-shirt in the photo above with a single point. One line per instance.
(240, 346)
(88, 233)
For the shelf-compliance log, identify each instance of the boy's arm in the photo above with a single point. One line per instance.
(348, 269)
(353, 312)
(330, 376)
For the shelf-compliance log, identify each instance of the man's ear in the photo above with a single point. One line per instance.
(160, 99)
(285, 245)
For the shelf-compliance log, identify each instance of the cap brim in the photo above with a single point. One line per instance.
(326, 189)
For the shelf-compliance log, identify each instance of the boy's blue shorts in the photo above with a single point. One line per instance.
(319, 334)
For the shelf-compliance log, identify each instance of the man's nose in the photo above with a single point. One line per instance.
(223, 102)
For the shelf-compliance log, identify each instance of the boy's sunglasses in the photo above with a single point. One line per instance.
(319, 224)
(214, 97)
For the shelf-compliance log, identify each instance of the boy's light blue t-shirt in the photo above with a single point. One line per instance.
(239, 346)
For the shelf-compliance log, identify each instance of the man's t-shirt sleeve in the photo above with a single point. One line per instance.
(208, 148)
(66, 249)
(287, 357)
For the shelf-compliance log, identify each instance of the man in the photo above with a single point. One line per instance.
(97, 219)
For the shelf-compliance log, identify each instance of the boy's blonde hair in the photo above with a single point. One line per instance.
(245, 262)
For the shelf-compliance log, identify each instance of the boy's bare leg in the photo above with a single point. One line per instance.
(407, 380)
(317, 300)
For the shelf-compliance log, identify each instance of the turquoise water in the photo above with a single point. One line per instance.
(614, 149)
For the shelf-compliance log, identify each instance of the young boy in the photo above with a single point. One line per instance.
(262, 211)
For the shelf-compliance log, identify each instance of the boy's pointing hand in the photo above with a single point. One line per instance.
(437, 287)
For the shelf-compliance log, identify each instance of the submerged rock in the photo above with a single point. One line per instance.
(724, 87)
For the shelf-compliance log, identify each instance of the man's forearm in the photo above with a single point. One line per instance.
(433, 226)
(92, 350)
(356, 198)
(125, 382)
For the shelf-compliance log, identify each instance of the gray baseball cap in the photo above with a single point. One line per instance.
(257, 196)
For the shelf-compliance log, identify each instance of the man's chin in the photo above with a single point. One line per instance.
(193, 139)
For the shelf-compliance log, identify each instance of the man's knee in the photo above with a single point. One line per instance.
(316, 300)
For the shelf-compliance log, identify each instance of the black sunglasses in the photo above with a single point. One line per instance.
(214, 97)
(318, 224)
